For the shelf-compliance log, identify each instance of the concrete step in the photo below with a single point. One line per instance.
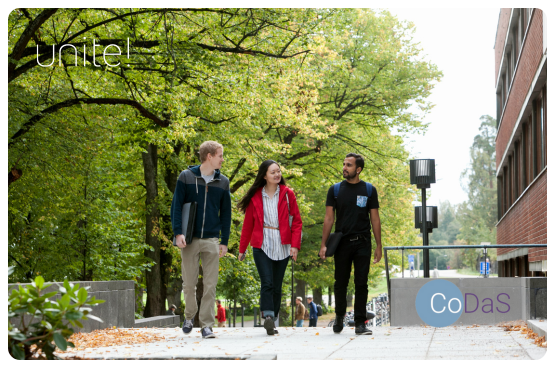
(158, 321)
(539, 326)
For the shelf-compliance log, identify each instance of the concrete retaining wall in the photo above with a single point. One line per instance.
(117, 310)
(526, 298)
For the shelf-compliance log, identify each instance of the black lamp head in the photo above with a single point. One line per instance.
(431, 216)
(422, 172)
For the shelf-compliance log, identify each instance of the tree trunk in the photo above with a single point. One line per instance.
(200, 291)
(349, 300)
(155, 298)
(139, 307)
(330, 295)
(317, 295)
(300, 290)
(173, 294)
(171, 276)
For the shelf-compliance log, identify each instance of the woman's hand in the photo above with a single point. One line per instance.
(293, 252)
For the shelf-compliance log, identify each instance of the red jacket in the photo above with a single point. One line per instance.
(253, 224)
(221, 313)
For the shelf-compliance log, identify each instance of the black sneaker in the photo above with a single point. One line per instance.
(338, 324)
(187, 326)
(276, 332)
(207, 333)
(362, 330)
(269, 325)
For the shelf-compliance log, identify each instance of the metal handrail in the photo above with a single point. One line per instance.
(402, 248)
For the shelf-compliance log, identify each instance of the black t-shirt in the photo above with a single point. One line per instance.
(352, 207)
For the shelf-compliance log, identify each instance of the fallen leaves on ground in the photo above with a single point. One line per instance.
(523, 328)
(112, 337)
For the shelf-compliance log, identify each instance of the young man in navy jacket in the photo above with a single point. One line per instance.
(205, 185)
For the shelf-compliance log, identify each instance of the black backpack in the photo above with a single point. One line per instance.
(319, 308)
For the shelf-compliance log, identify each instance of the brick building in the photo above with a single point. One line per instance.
(521, 143)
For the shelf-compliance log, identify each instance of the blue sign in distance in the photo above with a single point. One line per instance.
(439, 303)
(482, 268)
(411, 258)
(487, 268)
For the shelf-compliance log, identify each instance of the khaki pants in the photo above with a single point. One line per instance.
(207, 250)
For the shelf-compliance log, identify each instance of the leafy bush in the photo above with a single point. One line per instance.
(327, 309)
(44, 324)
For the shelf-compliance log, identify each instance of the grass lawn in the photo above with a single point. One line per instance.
(380, 288)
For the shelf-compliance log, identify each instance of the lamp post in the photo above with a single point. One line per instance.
(423, 173)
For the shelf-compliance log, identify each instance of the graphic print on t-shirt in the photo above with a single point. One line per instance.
(361, 201)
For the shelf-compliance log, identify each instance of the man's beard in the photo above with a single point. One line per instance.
(348, 176)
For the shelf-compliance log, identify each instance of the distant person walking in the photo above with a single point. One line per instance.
(299, 312)
(355, 209)
(274, 237)
(435, 273)
(205, 185)
(312, 312)
(220, 315)
(171, 311)
(411, 269)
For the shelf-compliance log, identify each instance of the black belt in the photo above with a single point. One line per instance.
(355, 237)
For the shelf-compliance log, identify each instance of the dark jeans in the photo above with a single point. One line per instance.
(355, 252)
(271, 277)
(312, 322)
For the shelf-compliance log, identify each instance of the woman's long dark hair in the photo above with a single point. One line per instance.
(259, 182)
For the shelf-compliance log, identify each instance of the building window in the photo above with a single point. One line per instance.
(505, 190)
(541, 116)
(523, 149)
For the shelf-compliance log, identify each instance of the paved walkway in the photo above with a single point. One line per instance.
(401, 343)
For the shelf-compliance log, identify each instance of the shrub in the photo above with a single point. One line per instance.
(44, 324)
(327, 309)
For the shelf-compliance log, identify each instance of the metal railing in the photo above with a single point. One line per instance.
(403, 248)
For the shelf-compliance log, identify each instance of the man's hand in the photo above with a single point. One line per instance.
(180, 241)
(241, 256)
(293, 252)
(223, 250)
(378, 254)
(322, 253)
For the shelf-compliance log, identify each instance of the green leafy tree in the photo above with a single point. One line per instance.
(478, 215)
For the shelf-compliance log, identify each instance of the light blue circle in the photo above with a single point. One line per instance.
(447, 307)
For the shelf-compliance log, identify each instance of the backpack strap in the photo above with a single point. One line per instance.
(336, 189)
(369, 189)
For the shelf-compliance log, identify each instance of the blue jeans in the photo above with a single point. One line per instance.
(271, 277)
(300, 323)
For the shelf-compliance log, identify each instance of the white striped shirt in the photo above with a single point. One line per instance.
(271, 245)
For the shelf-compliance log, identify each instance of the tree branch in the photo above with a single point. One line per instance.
(98, 101)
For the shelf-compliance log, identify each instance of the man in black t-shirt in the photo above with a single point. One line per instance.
(352, 208)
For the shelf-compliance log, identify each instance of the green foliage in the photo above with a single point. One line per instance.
(478, 215)
(45, 324)
(237, 281)
(301, 86)
(448, 225)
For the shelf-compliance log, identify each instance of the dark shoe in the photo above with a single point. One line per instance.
(269, 325)
(276, 332)
(187, 326)
(362, 330)
(338, 324)
(207, 333)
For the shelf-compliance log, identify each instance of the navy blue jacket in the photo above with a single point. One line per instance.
(312, 310)
(213, 218)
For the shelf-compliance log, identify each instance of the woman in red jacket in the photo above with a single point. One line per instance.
(268, 205)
